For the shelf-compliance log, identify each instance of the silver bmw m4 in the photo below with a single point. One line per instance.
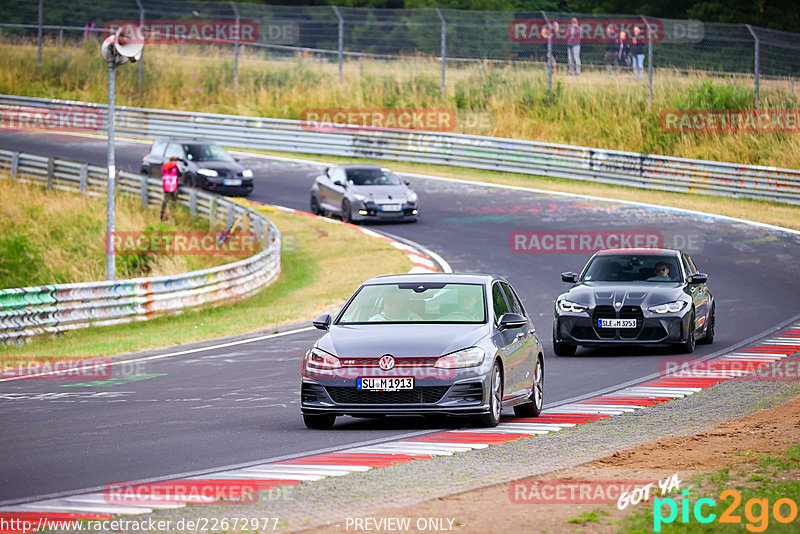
(417, 344)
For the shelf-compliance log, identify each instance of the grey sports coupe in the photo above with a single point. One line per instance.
(419, 344)
(363, 193)
(634, 296)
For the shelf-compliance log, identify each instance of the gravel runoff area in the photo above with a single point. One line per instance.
(332, 500)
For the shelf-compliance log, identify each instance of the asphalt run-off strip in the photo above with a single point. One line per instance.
(244, 484)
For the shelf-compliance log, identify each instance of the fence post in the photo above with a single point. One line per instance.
(1, 34)
(61, 37)
(14, 165)
(341, 40)
(649, 61)
(444, 46)
(143, 193)
(192, 202)
(39, 39)
(84, 177)
(212, 213)
(757, 65)
(231, 216)
(549, 53)
(50, 169)
(236, 50)
(141, 23)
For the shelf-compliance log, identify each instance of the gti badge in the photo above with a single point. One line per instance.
(386, 362)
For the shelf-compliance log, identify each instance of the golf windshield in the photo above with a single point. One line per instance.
(372, 177)
(621, 268)
(206, 153)
(416, 303)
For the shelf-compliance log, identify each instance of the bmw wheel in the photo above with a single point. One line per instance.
(689, 343)
(492, 418)
(534, 408)
(708, 339)
(319, 421)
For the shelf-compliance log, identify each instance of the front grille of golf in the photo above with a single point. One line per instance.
(351, 395)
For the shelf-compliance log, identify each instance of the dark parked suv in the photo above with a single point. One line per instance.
(203, 164)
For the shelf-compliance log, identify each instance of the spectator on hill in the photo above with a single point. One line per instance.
(169, 183)
(624, 50)
(612, 48)
(637, 49)
(574, 48)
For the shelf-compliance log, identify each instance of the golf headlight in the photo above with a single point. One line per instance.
(570, 307)
(360, 197)
(211, 173)
(412, 197)
(462, 358)
(319, 360)
(669, 307)
(247, 173)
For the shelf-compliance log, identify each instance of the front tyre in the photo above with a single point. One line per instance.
(708, 339)
(319, 421)
(688, 344)
(347, 214)
(492, 418)
(534, 408)
(564, 350)
(314, 205)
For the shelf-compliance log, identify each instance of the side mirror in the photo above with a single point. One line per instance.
(236, 159)
(339, 183)
(569, 277)
(323, 322)
(406, 182)
(512, 320)
(328, 172)
(698, 278)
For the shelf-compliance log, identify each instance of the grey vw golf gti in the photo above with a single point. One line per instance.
(417, 344)
(634, 296)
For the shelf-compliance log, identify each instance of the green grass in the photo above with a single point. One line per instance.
(322, 264)
(595, 516)
(510, 99)
(784, 486)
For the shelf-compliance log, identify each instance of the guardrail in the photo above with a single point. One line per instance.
(644, 171)
(31, 311)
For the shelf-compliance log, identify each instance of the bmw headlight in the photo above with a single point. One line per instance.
(462, 358)
(319, 360)
(568, 306)
(669, 307)
(412, 197)
(247, 173)
(360, 197)
(211, 173)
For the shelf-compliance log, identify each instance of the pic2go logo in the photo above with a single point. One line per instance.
(756, 511)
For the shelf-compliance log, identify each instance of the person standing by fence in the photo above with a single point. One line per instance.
(611, 58)
(169, 183)
(637, 49)
(624, 50)
(574, 48)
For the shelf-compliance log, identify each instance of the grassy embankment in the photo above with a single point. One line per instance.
(592, 110)
(322, 264)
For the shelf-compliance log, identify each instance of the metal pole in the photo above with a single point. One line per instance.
(236, 51)
(39, 60)
(549, 53)
(444, 47)
(649, 61)
(111, 175)
(141, 23)
(341, 41)
(61, 37)
(757, 54)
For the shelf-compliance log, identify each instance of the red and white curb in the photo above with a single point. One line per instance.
(270, 476)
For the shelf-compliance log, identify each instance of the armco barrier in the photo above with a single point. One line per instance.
(56, 308)
(644, 171)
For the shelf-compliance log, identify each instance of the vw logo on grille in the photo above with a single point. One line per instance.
(386, 362)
